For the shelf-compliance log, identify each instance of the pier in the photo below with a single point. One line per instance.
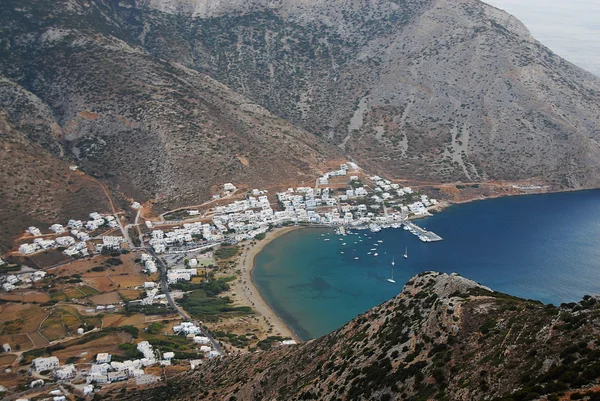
(424, 235)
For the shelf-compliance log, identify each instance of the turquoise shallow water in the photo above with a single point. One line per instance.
(544, 247)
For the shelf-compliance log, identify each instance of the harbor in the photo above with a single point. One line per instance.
(424, 235)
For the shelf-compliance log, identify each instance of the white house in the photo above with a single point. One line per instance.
(103, 357)
(34, 231)
(117, 376)
(201, 340)
(27, 249)
(66, 372)
(146, 379)
(57, 228)
(99, 378)
(146, 348)
(41, 364)
(229, 187)
(168, 355)
(65, 241)
(187, 328)
(36, 383)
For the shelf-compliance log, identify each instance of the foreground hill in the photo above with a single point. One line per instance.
(444, 338)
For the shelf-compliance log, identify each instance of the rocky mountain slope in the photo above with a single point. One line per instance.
(78, 87)
(36, 186)
(437, 90)
(443, 338)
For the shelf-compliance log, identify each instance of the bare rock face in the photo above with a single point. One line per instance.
(443, 338)
(430, 90)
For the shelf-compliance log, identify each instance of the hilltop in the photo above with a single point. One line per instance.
(443, 337)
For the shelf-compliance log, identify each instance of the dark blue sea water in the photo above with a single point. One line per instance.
(544, 247)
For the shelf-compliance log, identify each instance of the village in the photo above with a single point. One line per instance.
(173, 257)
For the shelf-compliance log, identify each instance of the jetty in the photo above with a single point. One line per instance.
(424, 235)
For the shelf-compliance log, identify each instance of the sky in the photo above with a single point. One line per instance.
(570, 28)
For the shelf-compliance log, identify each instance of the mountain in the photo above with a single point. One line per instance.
(166, 100)
(78, 89)
(443, 337)
(435, 90)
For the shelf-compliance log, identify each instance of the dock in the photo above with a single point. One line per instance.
(424, 235)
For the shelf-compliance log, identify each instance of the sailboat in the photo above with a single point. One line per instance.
(391, 280)
(405, 253)
(393, 263)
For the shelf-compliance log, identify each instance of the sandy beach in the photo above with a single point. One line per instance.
(246, 292)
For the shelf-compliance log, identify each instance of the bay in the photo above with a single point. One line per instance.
(543, 247)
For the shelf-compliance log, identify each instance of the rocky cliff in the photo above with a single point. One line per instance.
(443, 338)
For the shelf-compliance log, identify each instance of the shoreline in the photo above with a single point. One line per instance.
(247, 292)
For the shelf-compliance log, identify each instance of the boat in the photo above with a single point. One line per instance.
(375, 254)
(380, 241)
(373, 249)
(344, 243)
(391, 280)
(393, 262)
(405, 253)
(368, 253)
(326, 239)
(342, 253)
(356, 258)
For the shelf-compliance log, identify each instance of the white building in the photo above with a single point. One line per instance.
(27, 249)
(103, 357)
(146, 348)
(201, 340)
(89, 389)
(99, 378)
(66, 372)
(117, 376)
(34, 231)
(146, 379)
(65, 241)
(187, 328)
(57, 228)
(41, 364)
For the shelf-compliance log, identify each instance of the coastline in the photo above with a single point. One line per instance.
(247, 293)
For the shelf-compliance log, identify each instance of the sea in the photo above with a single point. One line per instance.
(542, 247)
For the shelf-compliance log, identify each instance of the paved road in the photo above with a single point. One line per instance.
(182, 313)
